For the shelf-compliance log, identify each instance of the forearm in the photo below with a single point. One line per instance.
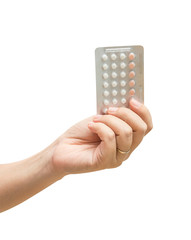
(21, 180)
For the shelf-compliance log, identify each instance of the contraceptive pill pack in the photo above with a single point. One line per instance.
(119, 76)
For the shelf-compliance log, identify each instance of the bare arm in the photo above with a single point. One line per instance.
(21, 180)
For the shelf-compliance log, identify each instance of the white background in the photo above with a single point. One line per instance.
(47, 83)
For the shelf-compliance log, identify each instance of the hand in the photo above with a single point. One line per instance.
(93, 144)
(99, 142)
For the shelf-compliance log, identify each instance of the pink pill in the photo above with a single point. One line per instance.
(131, 56)
(132, 83)
(131, 65)
(132, 74)
(132, 92)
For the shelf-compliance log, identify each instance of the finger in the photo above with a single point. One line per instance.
(105, 154)
(122, 130)
(133, 120)
(143, 112)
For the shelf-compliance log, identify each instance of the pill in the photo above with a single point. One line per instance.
(104, 110)
(131, 74)
(106, 93)
(113, 65)
(123, 92)
(123, 74)
(123, 100)
(114, 92)
(132, 83)
(113, 56)
(123, 83)
(131, 56)
(131, 65)
(114, 83)
(114, 74)
(122, 56)
(122, 65)
(114, 101)
(105, 75)
(104, 57)
(105, 66)
(105, 84)
(106, 102)
(132, 92)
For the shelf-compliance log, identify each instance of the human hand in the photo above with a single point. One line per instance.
(100, 142)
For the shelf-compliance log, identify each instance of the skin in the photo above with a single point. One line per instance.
(90, 145)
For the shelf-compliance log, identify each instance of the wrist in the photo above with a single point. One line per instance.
(54, 171)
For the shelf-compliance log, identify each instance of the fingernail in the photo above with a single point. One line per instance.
(112, 109)
(97, 117)
(135, 103)
(90, 124)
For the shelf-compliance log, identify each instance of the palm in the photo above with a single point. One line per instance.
(78, 149)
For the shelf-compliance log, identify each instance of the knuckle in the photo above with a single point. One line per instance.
(150, 127)
(116, 164)
(110, 136)
(143, 128)
(127, 132)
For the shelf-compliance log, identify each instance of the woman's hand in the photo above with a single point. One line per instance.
(102, 141)
(93, 144)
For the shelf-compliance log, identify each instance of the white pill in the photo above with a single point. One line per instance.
(114, 92)
(123, 65)
(114, 83)
(114, 101)
(104, 110)
(104, 57)
(122, 56)
(106, 93)
(113, 56)
(113, 65)
(123, 92)
(123, 83)
(106, 84)
(105, 66)
(105, 75)
(123, 100)
(106, 102)
(123, 74)
(114, 74)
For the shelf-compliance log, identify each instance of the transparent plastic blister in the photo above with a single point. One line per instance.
(119, 76)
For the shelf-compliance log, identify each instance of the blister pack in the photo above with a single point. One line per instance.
(119, 76)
